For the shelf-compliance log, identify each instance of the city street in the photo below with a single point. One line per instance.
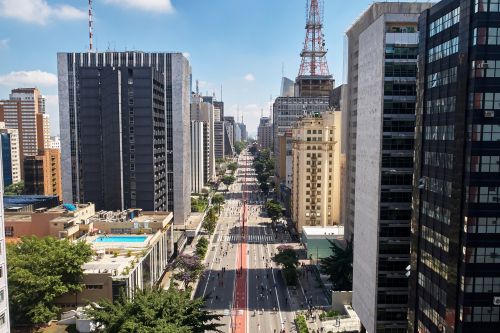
(257, 299)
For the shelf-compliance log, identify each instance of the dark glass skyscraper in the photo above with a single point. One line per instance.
(455, 256)
(125, 130)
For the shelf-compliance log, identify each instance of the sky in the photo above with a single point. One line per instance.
(242, 45)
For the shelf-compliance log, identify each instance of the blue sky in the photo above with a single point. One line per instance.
(239, 44)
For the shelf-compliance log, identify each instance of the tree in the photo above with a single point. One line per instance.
(201, 247)
(15, 189)
(154, 310)
(228, 180)
(210, 221)
(263, 177)
(264, 187)
(232, 166)
(339, 266)
(274, 210)
(287, 257)
(259, 167)
(39, 271)
(240, 146)
(218, 199)
(188, 269)
(199, 204)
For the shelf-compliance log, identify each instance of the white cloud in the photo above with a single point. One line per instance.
(39, 11)
(249, 77)
(4, 43)
(35, 78)
(161, 6)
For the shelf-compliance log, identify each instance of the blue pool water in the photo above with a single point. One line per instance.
(120, 239)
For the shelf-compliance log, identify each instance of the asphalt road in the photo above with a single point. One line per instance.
(260, 288)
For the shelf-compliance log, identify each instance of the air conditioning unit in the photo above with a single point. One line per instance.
(489, 114)
(496, 300)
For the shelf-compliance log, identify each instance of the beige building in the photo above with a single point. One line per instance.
(42, 173)
(265, 133)
(317, 167)
(24, 111)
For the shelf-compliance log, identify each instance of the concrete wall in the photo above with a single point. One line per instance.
(368, 159)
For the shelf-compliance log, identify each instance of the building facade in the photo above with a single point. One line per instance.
(24, 111)
(316, 170)
(265, 133)
(455, 271)
(125, 130)
(203, 111)
(10, 155)
(286, 111)
(4, 293)
(385, 117)
(42, 173)
(219, 140)
(197, 156)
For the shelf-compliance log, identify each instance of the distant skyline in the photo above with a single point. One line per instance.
(242, 45)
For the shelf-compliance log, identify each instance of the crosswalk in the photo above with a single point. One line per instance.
(250, 238)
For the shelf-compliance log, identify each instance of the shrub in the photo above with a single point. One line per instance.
(301, 324)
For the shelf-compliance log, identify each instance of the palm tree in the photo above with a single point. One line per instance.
(339, 266)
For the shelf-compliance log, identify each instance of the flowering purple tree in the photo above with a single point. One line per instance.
(188, 268)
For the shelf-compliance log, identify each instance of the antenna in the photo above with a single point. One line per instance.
(221, 92)
(271, 107)
(262, 112)
(314, 53)
(91, 20)
(197, 88)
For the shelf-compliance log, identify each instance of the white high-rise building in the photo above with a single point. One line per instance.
(4, 294)
(197, 156)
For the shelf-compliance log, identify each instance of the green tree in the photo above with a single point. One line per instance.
(199, 204)
(218, 199)
(15, 189)
(210, 221)
(201, 247)
(228, 180)
(259, 167)
(287, 257)
(264, 187)
(232, 166)
(339, 266)
(39, 271)
(240, 146)
(154, 310)
(263, 177)
(187, 269)
(274, 210)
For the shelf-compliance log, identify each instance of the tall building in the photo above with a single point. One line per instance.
(286, 111)
(125, 130)
(10, 153)
(385, 107)
(243, 129)
(287, 87)
(24, 111)
(198, 131)
(265, 133)
(219, 140)
(204, 112)
(455, 266)
(55, 142)
(42, 173)
(4, 294)
(316, 170)
(229, 125)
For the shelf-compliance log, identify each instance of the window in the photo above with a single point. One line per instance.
(2, 319)
(443, 50)
(483, 225)
(484, 133)
(485, 68)
(93, 286)
(436, 212)
(435, 238)
(438, 160)
(438, 186)
(482, 284)
(439, 132)
(432, 288)
(440, 105)
(484, 194)
(442, 78)
(483, 314)
(487, 101)
(483, 255)
(434, 263)
(444, 22)
(9, 231)
(486, 36)
(486, 6)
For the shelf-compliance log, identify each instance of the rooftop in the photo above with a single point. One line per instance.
(323, 231)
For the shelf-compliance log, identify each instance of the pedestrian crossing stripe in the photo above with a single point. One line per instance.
(250, 238)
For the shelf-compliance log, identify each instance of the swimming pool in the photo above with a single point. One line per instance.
(120, 239)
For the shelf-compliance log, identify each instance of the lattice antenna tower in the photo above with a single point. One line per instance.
(314, 53)
(91, 23)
